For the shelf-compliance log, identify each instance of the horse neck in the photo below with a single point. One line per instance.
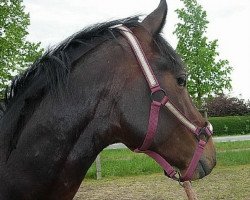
(59, 159)
(62, 138)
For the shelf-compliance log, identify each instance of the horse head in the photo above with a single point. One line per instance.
(176, 139)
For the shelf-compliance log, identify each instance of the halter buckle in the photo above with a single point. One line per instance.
(160, 96)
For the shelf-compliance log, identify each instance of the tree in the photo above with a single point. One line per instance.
(223, 105)
(208, 75)
(16, 53)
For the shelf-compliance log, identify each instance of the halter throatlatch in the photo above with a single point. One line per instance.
(154, 114)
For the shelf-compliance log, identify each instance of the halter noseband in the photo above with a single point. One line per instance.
(154, 114)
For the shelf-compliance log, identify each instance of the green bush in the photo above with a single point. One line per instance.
(231, 125)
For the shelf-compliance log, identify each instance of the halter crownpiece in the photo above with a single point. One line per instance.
(154, 114)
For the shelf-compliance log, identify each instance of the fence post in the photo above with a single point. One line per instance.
(98, 167)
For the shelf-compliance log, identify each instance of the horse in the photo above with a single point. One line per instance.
(119, 81)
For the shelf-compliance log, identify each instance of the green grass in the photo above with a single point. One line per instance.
(233, 153)
(232, 146)
(123, 162)
(226, 159)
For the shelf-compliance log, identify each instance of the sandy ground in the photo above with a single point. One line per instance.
(230, 184)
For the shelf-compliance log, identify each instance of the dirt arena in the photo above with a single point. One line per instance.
(229, 183)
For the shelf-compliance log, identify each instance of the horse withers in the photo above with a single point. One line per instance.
(118, 81)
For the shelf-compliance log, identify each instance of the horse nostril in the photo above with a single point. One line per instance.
(205, 168)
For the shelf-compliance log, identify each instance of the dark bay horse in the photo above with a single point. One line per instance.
(91, 92)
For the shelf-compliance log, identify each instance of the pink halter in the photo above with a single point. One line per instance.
(154, 114)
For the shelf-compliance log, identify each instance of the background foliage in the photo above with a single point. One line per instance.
(16, 53)
(208, 74)
(223, 105)
(231, 125)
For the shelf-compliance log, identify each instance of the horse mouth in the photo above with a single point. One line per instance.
(203, 169)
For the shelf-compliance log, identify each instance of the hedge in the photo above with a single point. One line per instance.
(231, 125)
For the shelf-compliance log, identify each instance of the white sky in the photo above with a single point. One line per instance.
(53, 21)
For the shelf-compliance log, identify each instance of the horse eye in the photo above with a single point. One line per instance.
(182, 81)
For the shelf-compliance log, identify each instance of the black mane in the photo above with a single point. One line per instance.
(53, 68)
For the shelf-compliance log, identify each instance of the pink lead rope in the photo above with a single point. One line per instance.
(154, 114)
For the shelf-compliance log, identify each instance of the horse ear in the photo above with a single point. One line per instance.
(155, 21)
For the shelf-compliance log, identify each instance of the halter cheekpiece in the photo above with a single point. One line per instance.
(154, 114)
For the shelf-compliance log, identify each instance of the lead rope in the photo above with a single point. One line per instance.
(189, 190)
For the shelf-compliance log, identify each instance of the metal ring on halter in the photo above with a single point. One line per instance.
(179, 179)
(203, 135)
(164, 94)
